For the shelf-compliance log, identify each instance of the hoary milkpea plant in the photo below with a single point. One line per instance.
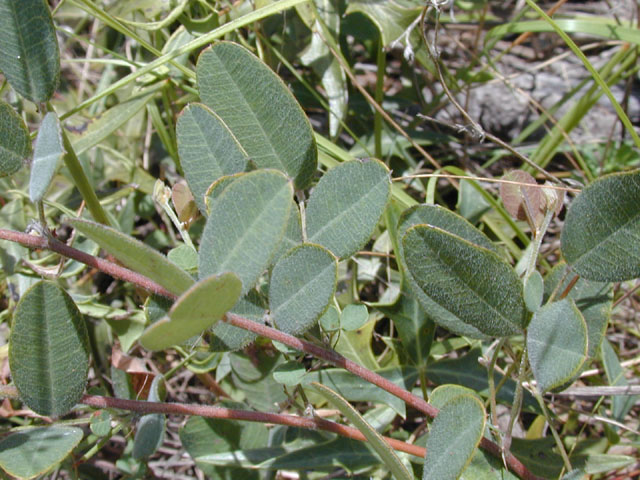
(273, 235)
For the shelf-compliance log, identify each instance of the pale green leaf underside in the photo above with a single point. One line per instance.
(346, 205)
(259, 110)
(208, 150)
(443, 394)
(451, 222)
(353, 317)
(246, 223)
(48, 336)
(386, 453)
(601, 235)
(391, 18)
(557, 343)
(46, 155)
(472, 282)
(453, 438)
(136, 255)
(30, 58)
(197, 309)
(302, 285)
(33, 452)
(15, 144)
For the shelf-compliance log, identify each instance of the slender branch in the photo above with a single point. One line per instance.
(208, 411)
(116, 271)
(335, 359)
(330, 356)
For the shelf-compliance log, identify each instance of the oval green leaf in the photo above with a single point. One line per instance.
(289, 373)
(30, 57)
(259, 110)
(136, 255)
(48, 350)
(353, 317)
(100, 423)
(602, 227)
(330, 320)
(533, 291)
(557, 343)
(443, 394)
(208, 150)
(438, 216)
(15, 144)
(473, 283)
(453, 437)
(46, 154)
(246, 224)
(149, 435)
(197, 309)
(382, 448)
(346, 205)
(302, 285)
(593, 299)
(33, 452)
(185, 257)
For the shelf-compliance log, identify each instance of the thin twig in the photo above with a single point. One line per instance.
(209, 411)
(116, 271)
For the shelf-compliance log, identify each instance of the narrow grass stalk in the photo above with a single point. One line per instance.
(82, 183)
(196, 43)
(594, 73)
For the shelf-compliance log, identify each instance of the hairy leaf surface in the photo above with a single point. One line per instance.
(30, 58)
(472, 282)
(259, 110)
(346, 205)
(49, 350)
(601, 235)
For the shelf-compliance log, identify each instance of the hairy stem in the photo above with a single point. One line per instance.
(208, 411)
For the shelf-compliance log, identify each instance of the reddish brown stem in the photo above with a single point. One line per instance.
(208, 411)
(116, 271)
(335, 359)
(328, 355)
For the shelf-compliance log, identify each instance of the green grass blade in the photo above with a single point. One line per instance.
(596, 76)
(195, 44)
(387, 454)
